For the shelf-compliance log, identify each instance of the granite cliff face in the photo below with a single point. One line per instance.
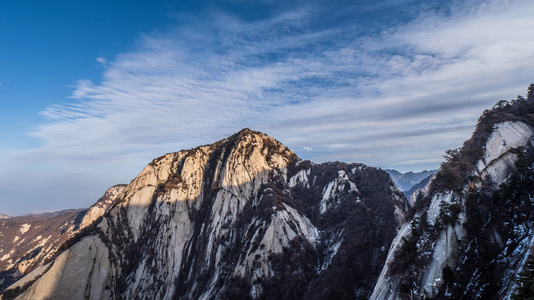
(242, 218)
(26, 242)
(470, 234)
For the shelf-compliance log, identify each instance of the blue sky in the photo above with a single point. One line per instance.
(92, 91)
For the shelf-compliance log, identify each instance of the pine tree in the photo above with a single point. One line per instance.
(526, 282)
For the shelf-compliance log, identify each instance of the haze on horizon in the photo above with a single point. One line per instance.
(91, 92)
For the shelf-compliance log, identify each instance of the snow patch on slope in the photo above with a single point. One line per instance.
(338, 185)
(301, 178)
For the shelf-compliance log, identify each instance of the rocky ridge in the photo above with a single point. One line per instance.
(470, 234)
(26, 242)
(242, 218)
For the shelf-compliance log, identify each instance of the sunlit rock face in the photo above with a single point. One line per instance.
(26, 242)
(470, 234)
(241, 218)
(98, 209)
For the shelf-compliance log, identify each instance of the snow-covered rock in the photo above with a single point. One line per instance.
(446, 246)
(336, 186)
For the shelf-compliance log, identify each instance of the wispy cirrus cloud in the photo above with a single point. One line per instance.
(194, 83)
(101, 60)
(391, 94)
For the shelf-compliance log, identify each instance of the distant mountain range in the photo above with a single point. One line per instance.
(419, 189)
(245, 218)
(406, 181)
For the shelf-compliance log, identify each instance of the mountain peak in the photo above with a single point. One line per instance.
(248, 131)
(250, 135)
(246, 141)
(235, 218)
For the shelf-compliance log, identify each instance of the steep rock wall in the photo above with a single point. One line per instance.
(440, 249)
(243, 217)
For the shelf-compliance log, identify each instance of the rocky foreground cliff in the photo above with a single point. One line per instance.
(242, 218)
(471, 234)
